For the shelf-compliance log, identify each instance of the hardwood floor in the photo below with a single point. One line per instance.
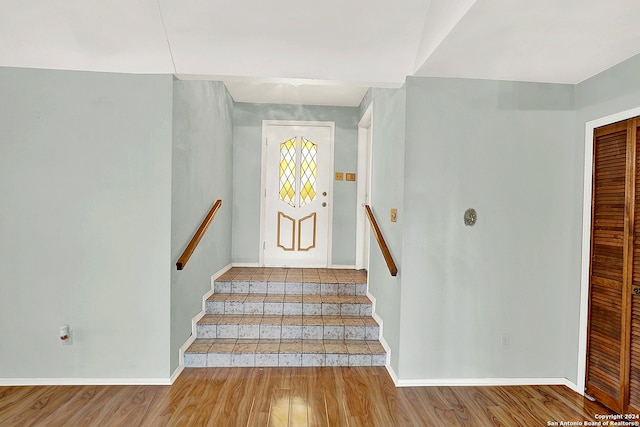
(357, 396)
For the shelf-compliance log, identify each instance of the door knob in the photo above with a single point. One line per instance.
(324, 193)
(324, 204)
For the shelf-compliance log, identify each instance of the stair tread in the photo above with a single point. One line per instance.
(252, 319)
(309, 298)
(293, 275)
(233, 345)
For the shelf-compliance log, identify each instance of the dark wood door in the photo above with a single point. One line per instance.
(609, 288)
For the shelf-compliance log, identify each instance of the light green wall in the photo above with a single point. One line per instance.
(387, 184)
(609, 92)
(85, 214)
(97, 204)
(515, 152)
(505, 149)
(441, 146)
(247, 158)
(202, 161)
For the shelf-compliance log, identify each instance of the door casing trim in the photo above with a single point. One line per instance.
(365, 151)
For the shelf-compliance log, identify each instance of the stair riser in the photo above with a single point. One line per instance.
(219, 360)
(312, 332)
(290, 288)
(287, 309)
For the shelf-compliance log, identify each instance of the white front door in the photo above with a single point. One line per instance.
(297, 178)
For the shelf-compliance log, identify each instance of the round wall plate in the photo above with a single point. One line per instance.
(470, 217)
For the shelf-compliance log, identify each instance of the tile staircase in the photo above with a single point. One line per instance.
(287, 317)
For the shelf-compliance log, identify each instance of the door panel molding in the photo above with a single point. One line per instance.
(288, 230)
(313, 232)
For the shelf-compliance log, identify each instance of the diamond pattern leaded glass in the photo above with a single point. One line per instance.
(288, 171)
(308, 172)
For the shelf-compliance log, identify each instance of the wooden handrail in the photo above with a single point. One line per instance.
(380, 238)
(182, 261)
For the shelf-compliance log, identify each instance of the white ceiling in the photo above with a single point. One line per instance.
(322, 52)
(555, 41)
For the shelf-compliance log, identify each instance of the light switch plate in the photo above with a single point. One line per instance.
(351, 176)
(394, 215)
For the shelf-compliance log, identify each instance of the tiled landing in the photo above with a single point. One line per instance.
(287, 317)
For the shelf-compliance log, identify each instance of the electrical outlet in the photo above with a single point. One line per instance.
(339, 176)
(505, 341)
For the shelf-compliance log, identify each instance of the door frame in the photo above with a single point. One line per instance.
(365, 152)
(590, 126)
(263, 180)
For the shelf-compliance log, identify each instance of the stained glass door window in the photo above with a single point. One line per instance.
(308, 172)
(288, 171)
(298, 161)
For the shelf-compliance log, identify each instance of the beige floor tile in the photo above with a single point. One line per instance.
(357, 347)
(271, 320)
(221, 348)
(292, 320)
(312, 298)
(312, 320)
(313, 346)
(271, 347)
(375, 347)
(369, 321)
(200, 346)
(352, 321)
(338, 347)
(332, 320)
(243, 347)
(291, 346)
